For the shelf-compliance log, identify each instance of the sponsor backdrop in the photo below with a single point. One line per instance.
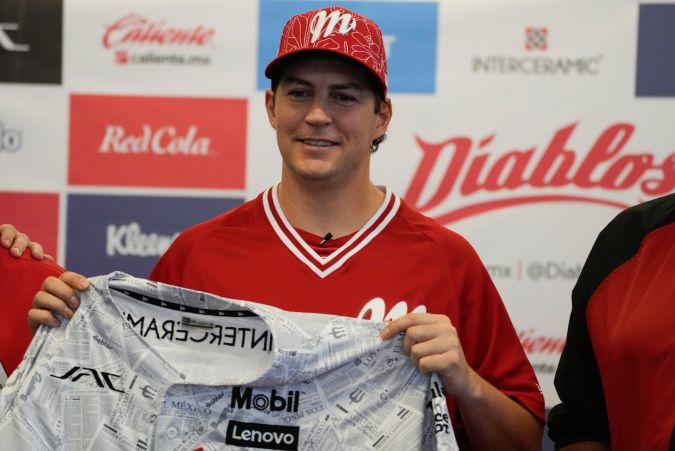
(523, 125)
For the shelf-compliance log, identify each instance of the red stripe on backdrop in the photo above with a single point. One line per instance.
(36, 214)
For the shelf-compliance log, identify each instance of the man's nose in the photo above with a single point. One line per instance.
(317, 114)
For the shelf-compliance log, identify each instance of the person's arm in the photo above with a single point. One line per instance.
(492, 420)
(17, 242)
(57, 296)
(581, 417)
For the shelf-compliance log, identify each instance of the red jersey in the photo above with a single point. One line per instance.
(399, 262)
(20, 279)
(615, 377)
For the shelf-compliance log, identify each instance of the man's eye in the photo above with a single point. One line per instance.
(298, 93)
(345, 98)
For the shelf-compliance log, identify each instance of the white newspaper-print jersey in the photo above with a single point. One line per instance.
(143, 365)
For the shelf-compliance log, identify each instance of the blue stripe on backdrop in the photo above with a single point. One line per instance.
(656, 51)
(129, 233)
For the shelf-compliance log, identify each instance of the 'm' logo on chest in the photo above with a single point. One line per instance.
(375, 310)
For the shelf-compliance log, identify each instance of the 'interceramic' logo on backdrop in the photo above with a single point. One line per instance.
(536, 38)
(535, 62)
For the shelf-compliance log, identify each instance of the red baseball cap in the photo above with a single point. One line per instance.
(337, 30)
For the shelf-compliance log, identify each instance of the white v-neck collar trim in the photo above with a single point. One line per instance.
(324, 266)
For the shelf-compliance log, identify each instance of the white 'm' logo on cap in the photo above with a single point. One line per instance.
(323, 22)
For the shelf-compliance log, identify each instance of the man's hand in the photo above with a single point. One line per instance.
(492, 420)
(432, 343)
(56, 297)
(17, 242)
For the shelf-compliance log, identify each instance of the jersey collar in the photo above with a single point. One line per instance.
(301, 340)
(326, 265)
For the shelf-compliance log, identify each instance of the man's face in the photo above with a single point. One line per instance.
(324, 113)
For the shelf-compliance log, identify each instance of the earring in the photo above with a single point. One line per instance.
(376, 143)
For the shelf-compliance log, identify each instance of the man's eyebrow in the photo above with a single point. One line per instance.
(296, 80)
(292, 79)
(348, 85)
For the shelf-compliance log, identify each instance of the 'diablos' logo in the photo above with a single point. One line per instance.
(554, 172)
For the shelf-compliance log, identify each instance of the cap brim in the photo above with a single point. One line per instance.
(273, 68)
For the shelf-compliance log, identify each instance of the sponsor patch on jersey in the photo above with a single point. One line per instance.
(129, 233)
(92, 376)
(160, 329)
(264, 436)
(656, 51)
(409, 31)
(274, 401)
(157, 142)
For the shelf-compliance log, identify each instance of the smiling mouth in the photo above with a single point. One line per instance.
(318, 142)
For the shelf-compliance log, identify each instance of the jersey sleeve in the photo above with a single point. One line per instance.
(171, 266)
(581, 415)
(174, 264)
(20, 279)
(490, 343)
(165, 270)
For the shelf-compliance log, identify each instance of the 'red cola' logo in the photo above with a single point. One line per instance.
(473, 169)
(166, 140)
(157, 141)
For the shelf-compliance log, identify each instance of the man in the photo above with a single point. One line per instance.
(327, 240)
(615, 377)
